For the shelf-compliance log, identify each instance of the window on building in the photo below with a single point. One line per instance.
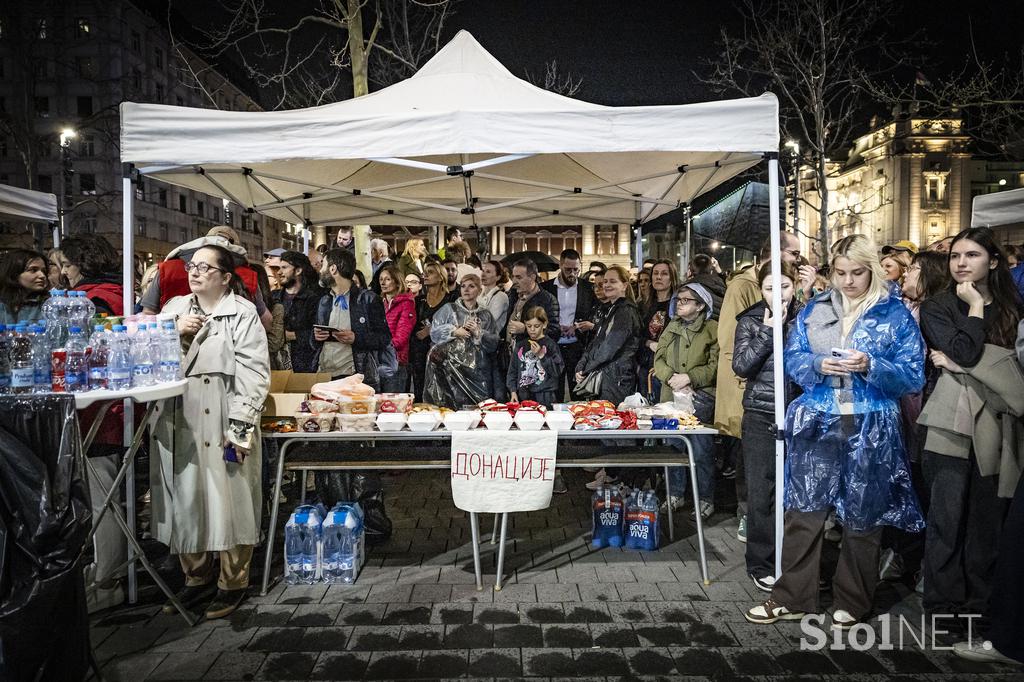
(3, 149)
(136, 79)
(41, 29)
(44, 183)
(183, 203)
(607, 240)
(85, 107)
(160, 93)
(140, 191)
(934, 188)
(135, 42)
(89, 225)
(82, 28)
(216, 213)
(87, 147)
(87, 183)
(42, 106)
(162, 231)
(200, 209)
(158, 58)
(163, 198)
(140, 226)
(3, 104)
(85, 66)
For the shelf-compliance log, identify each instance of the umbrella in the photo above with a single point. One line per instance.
(545, 263)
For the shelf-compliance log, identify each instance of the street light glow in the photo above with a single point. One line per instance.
(67, 135)
(715, 246)
(794, 145)
(1002, 181)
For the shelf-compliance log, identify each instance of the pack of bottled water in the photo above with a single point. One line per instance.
(641, 524)
(324, 545)
(608, 517)
(71, 349)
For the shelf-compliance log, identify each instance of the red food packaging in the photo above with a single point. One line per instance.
(58, 364)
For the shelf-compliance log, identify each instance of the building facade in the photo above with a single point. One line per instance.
(909, 178)
(66, 67)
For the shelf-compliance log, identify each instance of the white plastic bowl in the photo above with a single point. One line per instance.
(560, 421)
(528, 420)
(498, 421)
(423, 421)
(391, 421)
(462, 420)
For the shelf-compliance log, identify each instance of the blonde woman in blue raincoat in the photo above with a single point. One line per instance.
(855, 350)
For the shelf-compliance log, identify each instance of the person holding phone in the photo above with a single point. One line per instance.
(844, 436)
(205, 464)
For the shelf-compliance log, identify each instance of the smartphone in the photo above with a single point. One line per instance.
(840, 353)
(325, 328)
(231, 455)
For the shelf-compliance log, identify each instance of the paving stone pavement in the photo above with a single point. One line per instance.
(565, 612)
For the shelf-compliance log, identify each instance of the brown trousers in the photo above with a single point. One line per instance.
(234, 568)
(853, 587)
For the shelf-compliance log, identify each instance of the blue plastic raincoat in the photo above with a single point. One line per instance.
(857, 465)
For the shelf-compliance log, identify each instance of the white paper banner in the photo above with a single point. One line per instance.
(503, 471)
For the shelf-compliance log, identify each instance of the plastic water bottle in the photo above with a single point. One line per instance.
(302, 546)
(142, 358)
(119, 360)
(88, 310)
(41, 359)
(342, 531)
(5, 361)
(76, 369)
(75, 311)
(98, 358)
(20, 360)
(168, 353)
(56, 320)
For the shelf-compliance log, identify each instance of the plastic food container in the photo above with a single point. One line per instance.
(395, 402)
(391, 421)
(356, 422)
(358, 406)
(559, 421)
(462, 420)
(498, 421)
(423, 421)
(306, 422)
(529, 420)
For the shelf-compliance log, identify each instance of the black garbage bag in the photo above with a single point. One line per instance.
(45, 518)
(362, 487)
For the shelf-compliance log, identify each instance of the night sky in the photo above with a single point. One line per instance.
(644, 52)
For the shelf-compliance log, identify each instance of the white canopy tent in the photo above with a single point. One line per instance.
(463, 142)
(998, 208)
(26, 204)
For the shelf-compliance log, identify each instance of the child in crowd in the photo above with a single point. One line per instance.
(535, 370)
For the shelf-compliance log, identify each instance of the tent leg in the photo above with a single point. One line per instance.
(780, 408)
(128, 300)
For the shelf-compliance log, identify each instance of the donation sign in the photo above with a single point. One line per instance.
(503, 471)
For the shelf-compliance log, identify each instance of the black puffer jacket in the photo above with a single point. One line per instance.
(753, 359)
(612, 351)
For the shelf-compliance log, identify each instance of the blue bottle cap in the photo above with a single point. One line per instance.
(75, 330)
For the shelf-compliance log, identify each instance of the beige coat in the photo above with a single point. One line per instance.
(200, 502)
(981, 410)
(743, 291)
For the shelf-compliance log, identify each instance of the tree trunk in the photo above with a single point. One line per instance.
(357, 49)
(823, 228)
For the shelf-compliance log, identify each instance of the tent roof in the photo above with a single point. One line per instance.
(998, 208)
(462, 142)
(26, 204)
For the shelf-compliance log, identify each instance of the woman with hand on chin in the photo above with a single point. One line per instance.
(205, 467)
(969, 328)
(855, 351)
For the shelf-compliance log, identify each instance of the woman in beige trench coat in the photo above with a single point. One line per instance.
(201, 501)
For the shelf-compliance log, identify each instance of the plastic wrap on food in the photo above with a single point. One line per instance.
(456, 374)
(350, 387)
(317, 406)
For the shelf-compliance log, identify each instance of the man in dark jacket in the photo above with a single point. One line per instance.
(524, 295)
(703, 272)
(576, 300)
(300, 294)
(359, 330)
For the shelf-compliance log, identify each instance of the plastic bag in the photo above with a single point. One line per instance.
(364, 488)
(457, 374)
(633, 401)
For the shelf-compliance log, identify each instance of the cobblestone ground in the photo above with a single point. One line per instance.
(566, 612)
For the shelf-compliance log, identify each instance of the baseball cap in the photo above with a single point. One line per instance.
(902, 245)
(274, 253)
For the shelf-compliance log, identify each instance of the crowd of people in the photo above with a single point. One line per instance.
(903, 385)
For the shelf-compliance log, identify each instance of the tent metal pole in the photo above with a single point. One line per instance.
(777, 346)
(128, 300)
(637, 211)
(306, 225)
(687, 246)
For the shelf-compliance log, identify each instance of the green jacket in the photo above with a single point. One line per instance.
(689, 350)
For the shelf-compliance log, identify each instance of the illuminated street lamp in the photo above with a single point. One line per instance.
(67, 200)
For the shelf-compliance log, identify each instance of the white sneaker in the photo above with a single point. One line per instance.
(770, 612)
(764, 584)
(982, 652)
(843, 619)
(601, 479)
(707, 509)
(673, 503)
(99, 598)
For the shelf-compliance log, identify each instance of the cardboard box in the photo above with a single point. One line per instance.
(287, 391)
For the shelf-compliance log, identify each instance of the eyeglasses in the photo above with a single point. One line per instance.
(201, 268)
(793, 252)
(686, 299)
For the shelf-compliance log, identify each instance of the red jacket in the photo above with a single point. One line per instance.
(401, 316)
(174, 280)
(108, 293)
